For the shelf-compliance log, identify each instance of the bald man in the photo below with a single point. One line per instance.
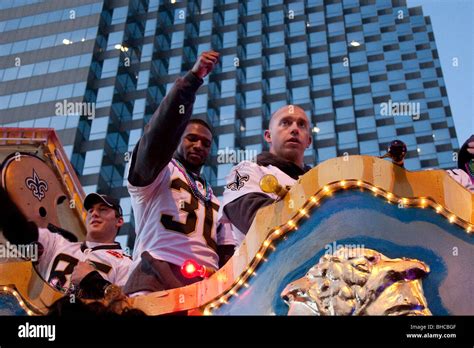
(288, 136)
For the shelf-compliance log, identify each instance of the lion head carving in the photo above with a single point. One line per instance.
(363, 283)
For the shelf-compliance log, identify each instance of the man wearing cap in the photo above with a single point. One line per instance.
(84, 268)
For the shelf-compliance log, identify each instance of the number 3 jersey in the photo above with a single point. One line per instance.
(60, 256)
(172, 224)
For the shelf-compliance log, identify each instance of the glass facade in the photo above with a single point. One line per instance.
(366, 72)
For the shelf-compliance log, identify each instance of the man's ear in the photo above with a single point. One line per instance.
(267, 136)
(120, 222)
(310, 141)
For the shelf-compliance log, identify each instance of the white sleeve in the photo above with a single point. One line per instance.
(122, 271)
(50, 242)
(225, 235)
(141, 192)
(243, 178)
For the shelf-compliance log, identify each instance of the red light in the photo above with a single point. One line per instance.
(191, 269)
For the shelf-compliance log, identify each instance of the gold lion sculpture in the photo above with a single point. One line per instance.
(364, 282)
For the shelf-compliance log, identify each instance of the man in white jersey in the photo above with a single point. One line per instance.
(83, 268)
(288, 136)
(174, 207)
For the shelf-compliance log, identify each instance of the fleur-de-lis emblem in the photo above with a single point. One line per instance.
(37, 186)
(239, 181)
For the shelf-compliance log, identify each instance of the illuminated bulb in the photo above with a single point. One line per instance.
(389, 196)
(452, 218)
(423, 202)
(191, 269)
(250, 271)
(266, 243)
(404, 201)
(207, 312)
(291, 223)
(240, 282)
(374, 189)
(222, 300)
(246, 285)
(258, 256)
(438, 208)
(67, 42)
(359, 183)
(232, 292)
(342, 183)
(277, 232)
(313, 199)
(326, 189)
(303, 212)
(468, 229)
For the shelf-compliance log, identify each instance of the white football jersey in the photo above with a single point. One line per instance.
(245, 178)
(60, 256)
(172, 224)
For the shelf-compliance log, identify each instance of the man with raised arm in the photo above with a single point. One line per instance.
(174, 206)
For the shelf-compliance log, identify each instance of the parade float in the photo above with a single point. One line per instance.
(356, 235)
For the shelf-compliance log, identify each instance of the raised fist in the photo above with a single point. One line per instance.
(205, 63)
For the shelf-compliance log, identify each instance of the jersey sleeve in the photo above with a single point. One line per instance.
(50, 242)
(243, 179)
(225, 235)
(122, 271)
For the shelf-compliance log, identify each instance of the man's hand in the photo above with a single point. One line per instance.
(205, 63)
(80, 271)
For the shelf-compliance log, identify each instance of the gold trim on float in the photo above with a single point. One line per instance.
(21, 279)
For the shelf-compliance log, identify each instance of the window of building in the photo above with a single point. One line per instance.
(104, 96)
(99, 128)
(298, 49)
(109, 67)
(277, 84)
(253, 73)
(119, 15)
(277, 61)
(253, 99)
(253, 50)
(276, 39)
(93, 161)
(227, 88)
